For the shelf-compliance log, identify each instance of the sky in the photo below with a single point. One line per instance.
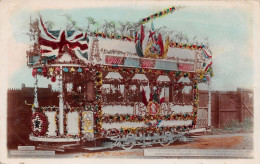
(229, 30)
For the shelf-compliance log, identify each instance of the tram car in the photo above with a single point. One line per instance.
(136, 89)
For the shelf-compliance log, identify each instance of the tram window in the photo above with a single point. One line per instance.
(69, 87)
(73, 97)
(134, 94)
(164, 93)
(118, 93)
(105, 91)
(176, 93)
(113, 92)
(121, 92)
(187, 89)
(90, 91)
(182, 94)
(187, 94)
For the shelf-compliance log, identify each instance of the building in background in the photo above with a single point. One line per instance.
(18, 124)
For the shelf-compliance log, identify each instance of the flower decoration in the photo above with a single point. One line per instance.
(39, 124)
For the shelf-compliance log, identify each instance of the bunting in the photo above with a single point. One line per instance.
(157, 15)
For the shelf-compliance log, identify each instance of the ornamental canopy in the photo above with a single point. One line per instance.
(141, 49)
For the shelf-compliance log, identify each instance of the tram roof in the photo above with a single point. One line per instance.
(123, 54)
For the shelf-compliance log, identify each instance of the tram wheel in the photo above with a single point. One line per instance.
(165, 141)
(127, 144)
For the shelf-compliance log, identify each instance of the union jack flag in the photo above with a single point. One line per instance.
(56, 42)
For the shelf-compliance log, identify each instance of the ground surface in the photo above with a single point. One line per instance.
(238, 141)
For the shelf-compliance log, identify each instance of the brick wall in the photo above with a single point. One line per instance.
(19, 114)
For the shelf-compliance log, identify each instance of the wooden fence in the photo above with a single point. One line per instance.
(227, 106)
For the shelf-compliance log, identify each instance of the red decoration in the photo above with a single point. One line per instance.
(44, 72)
(142, 35)
(153, 108)
(186, 67)
(160, 43)
(147, 63)
(57, 69)
(39, 124)
(34, 72)
(162, 100)
(61, 43)
(53, 79)
(114, 60)
(45, 30)
(206, 69)
(144, 98)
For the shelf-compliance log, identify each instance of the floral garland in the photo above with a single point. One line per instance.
(74, 109)
(41, 62)
(111, 80)
(129, 71)
(138, 118)
(39, 124)
(98, 102)
(65, 119)
(52, 72)
(57, 123)
(155, 124)
(46, 109)
(118, 103)
(185, 46)
(203, 75)
(196, 102)
(141, 130)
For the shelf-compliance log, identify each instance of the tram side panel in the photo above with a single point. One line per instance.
(176, 113)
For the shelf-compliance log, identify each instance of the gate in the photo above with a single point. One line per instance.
(202, 117)
(246, 101)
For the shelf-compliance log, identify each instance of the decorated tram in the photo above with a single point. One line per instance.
(136, 89)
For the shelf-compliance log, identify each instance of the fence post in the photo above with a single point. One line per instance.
(240, 107)
(217, 107)
(209, 104)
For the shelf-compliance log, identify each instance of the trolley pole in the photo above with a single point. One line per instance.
(61, 104)
(209, 103)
